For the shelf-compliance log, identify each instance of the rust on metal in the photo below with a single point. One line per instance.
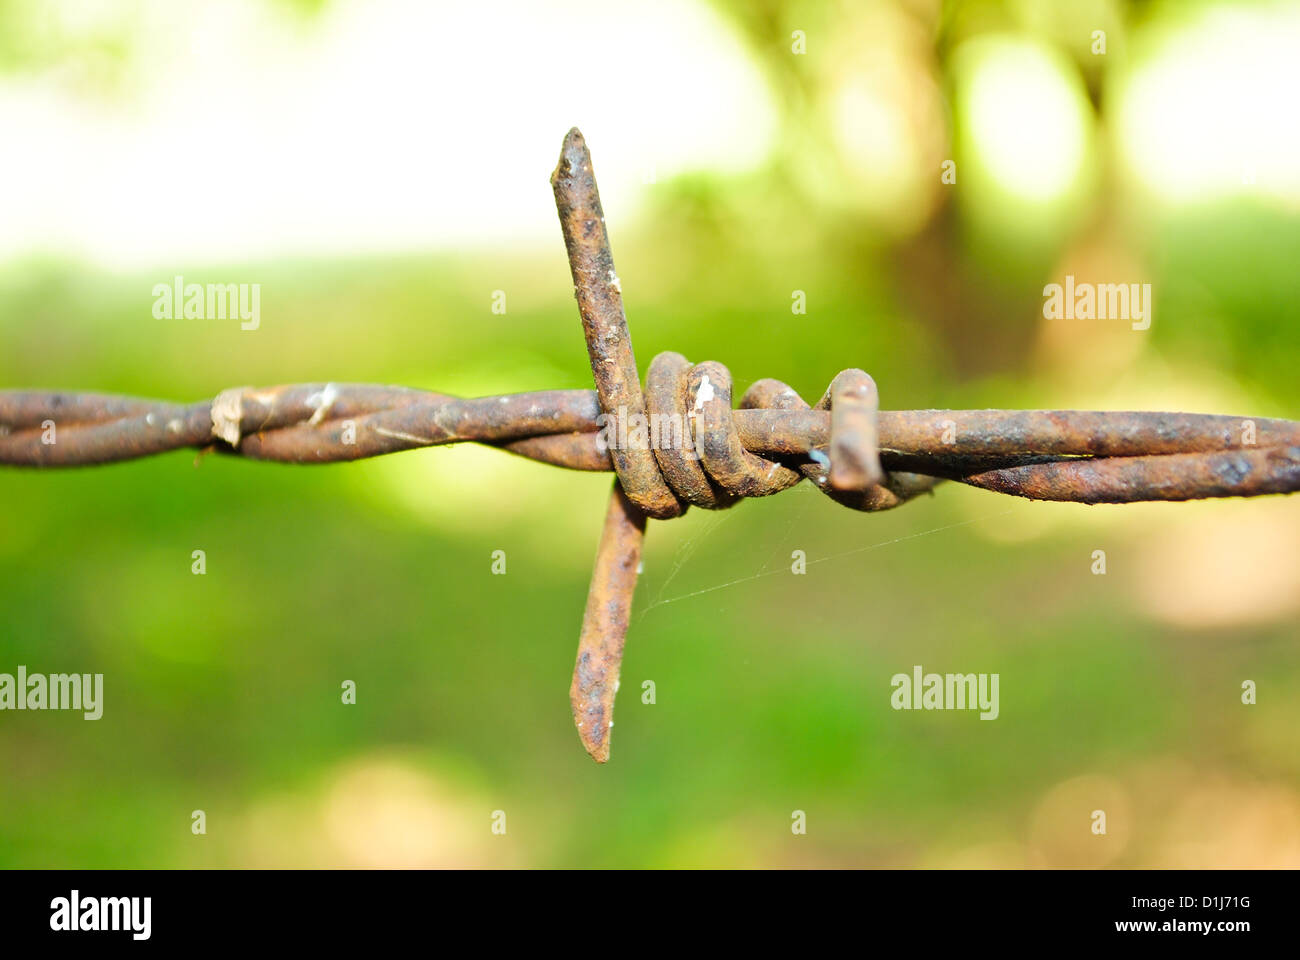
(1178, 476)
(604, 624)
(854, 404)
(563, 429)
(600, 302)
(680, 443)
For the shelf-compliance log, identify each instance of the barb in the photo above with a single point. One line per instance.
(679, 442)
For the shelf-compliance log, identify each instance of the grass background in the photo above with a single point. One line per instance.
(1118, 692)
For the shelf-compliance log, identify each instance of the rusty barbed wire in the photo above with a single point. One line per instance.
(858, 455)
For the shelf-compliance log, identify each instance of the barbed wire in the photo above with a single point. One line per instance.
(678, 442)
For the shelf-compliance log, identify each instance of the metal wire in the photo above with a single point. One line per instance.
(679, 442)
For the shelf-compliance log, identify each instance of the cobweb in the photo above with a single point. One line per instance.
(774, 545)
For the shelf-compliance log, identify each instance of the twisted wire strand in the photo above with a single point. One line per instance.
(1067, 455)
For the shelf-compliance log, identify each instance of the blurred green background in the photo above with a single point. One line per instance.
(1171, 158)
